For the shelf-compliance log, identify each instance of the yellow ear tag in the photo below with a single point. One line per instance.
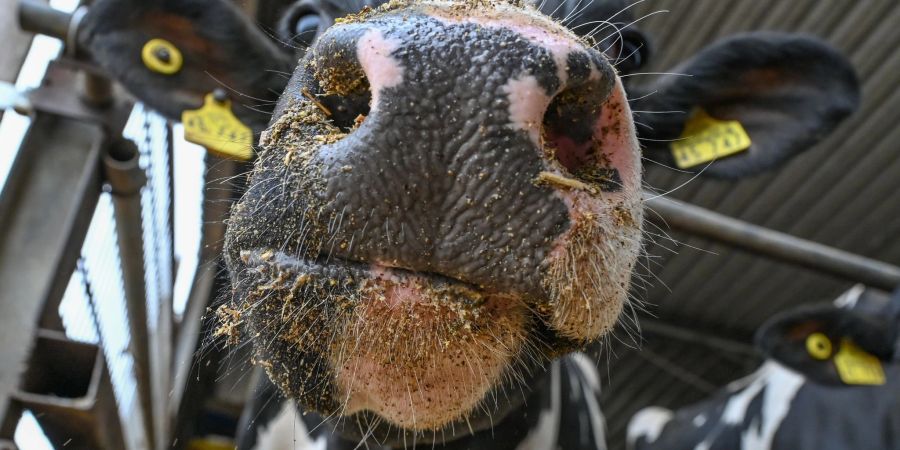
(215, 127)
(818, 346)
(856, 366)
(162, 56)
(706, 139)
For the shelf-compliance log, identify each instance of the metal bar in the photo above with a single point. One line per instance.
(187, 367)
(45, 210)
(769, 243)
(216, 204)
(15, 44)
(681, 333)
(126, 178)
(68, 389)
(163, 337)
(193, 378)
(97, 90)
(39, 17)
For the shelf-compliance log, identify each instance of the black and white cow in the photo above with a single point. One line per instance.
(446, 203)
(830, 381)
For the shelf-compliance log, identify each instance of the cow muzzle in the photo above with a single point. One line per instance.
(449, 194)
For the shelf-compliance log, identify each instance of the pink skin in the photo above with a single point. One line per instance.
(619, 141)
(444, 380)
(431, 395)
(382, 69)
(620, 145)
(400, 290)
(594, 308)
(527, 103)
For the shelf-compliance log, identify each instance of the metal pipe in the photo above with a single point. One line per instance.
(772, 244)
(39, 17)
(126, 178)
(97, 90)
(188, 390)
(681, 333)
(45, 210)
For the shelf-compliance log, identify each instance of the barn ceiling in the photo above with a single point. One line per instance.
(842, 193)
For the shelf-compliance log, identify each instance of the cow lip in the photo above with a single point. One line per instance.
(337, 268)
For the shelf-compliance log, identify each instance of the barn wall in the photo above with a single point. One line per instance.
(841, 193)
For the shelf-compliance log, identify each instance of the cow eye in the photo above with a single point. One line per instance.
(305, 29)
(631, 54)
(634, 53)
(301, 23)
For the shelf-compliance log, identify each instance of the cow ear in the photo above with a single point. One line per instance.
(171, 54)
(820, 341)
(745, 104)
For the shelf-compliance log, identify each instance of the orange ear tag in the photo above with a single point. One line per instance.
(706, 139)
(215, 127)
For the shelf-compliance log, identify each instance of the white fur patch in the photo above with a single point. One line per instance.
(287, 432)
(543, 435)
(383, 70)
(782, 385)
(590, 390)
(848, 299)
(588, 369)
(648, 423)
(699, 420)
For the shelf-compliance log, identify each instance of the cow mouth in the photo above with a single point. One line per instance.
(419, 348)
(335, 270)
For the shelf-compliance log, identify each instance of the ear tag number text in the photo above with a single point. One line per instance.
(215, 127)
(706, 139)
(856, 366)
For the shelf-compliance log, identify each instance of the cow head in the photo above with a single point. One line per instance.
(447, 196)
(171, 53)
(808, 339)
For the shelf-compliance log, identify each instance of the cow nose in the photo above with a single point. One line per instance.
(468, 69)
(446, 125)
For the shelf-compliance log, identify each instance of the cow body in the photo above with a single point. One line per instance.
(804, 406)
(778, 408)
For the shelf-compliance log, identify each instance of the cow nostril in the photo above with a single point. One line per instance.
(568, 130)
(340, 82)
(347, 110)
(572, 137)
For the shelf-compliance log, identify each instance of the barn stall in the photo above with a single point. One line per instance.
(104, 339)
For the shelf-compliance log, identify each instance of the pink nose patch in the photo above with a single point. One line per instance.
(382, 70)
